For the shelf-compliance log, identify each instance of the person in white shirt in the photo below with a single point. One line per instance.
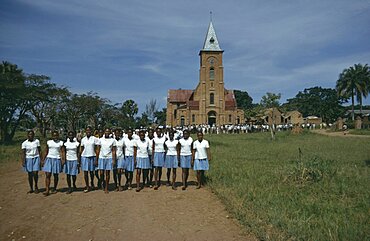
(201, 156)
(120, 157)
(159, 155)
(185, 146)
(141, 158)
(53, 161)
(88, 156)
(31, 160)
(72, 162)
(129, 143)
(150, 138)
(106, 157)
(172, 158)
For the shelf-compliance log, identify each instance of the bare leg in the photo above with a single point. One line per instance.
(56, 180)
(74, 178)
(138, 173)
(119, 176)
(47, 183)
(168, 176)
(115, 178)
(68, 183)
(156, 178)
(101, 179)
(91, 180)
(107, 177)
(36, 179)
(174, 178)
(30, 182)
(145, 176)
(199, 179)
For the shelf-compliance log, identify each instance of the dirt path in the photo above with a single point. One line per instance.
(149, 215)
(341, 133)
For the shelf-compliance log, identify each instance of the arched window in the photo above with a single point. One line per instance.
(211, 99)
(182, 120)
(229, 118)
(193, 118)
(211, 73)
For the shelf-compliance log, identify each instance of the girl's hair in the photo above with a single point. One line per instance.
(199, 132)
(55, 132)
(142, 131)
(30, 131)
(89, 127)
(69, 132)
(186, 131)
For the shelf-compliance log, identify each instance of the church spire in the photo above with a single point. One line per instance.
(211, 42)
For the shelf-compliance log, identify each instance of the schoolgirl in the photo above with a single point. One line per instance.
(129, 165)
(159, 155)
(53, 161)
(72, 162)
(31, 160)
(106, 157)
(151, 170)
(201, 156)
(88, 157)
(185, 146)
(120, 157)
(172, 158)
(141, 158)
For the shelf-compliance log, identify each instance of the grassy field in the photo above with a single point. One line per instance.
(278, 192)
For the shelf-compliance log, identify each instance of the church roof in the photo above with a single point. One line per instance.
(211, 42)
(179, 95)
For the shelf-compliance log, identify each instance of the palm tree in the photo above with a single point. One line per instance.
(354, 81)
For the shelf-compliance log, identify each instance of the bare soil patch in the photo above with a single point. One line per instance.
(149, 215)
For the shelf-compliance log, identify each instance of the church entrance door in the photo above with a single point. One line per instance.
(211, 118)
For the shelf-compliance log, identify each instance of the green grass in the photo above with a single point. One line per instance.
(360, 132)
(279, 194)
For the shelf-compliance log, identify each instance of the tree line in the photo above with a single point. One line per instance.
(327, 103)
(29, 100)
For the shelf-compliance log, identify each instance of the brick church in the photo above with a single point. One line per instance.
(209, 103)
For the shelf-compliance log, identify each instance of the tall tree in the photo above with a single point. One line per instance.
(129, 109)
(244, 101)
(14, 96)
(150, 110)
(46, 100)
(318, 101)
(160, 116)
(354, 81)
(270, 100)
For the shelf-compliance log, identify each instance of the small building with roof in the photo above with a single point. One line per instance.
(209, 103)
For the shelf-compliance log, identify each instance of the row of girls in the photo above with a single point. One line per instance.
(118, 153)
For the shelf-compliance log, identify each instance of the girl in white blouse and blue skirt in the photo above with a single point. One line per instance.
(106, 157)
(172, 158)
(141, 158)
(31, 160)
(185, 145)
(53, 161)
(201, 156)
(72, 162)
(158, 157)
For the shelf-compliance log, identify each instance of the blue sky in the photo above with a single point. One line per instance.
(140, 49)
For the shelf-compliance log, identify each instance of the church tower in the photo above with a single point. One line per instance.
(211, 80)
(209, 103)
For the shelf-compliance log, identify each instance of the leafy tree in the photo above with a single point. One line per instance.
(243, 99)
(129, 109)
(270, 100)
(354, 81)
(14, 95)
(318, 101)
(142, 121)
(160, 116)
(46, 100)
(150, 109)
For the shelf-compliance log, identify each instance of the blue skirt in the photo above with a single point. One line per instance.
(129, 164)
(185, 161)
(171, 162)
(158, 159)
(201, 165)
(87, 163)
(105, 164)
(121, 162)
(52, 165)
(71, 168)
(143, 163)
(32, 164)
